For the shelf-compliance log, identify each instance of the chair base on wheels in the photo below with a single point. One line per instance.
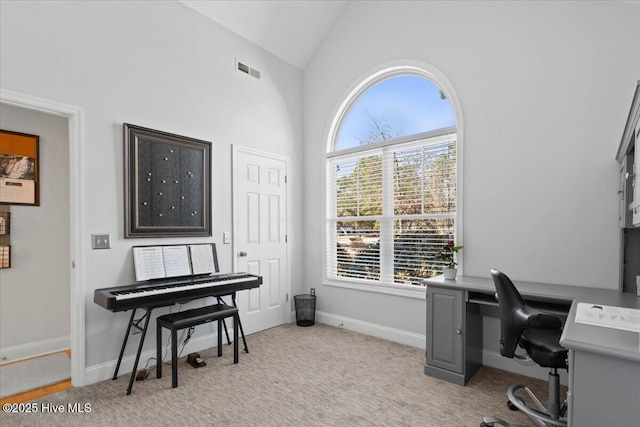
(495, 421)
(552, 415)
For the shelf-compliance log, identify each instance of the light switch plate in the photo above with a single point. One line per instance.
(101, 241)
(226, 237)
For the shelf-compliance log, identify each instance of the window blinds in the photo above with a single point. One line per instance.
(390, 210)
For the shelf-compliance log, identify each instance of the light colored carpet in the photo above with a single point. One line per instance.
(293, 376)
(34, 373)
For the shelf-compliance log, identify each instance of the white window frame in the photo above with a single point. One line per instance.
(366, 82)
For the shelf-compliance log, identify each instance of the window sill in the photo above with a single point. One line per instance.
(417, 292)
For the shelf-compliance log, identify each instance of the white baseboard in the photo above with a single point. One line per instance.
(37, 348)
(373, 329)
(104, 371)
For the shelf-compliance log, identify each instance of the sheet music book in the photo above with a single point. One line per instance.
(176, 261)
(202, 259)
(157, 262)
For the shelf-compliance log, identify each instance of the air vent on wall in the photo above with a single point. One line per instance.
(247, 70)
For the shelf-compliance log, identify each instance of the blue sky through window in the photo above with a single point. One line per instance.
(406, 104)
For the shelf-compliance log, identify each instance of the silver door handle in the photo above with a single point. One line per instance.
(243, 253)
(458, 332)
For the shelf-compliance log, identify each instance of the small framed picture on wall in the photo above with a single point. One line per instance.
(19, 166)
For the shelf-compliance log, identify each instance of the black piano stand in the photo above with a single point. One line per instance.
(244, 340)
(133, 323)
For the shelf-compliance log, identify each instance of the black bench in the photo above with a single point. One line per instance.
(185, 319)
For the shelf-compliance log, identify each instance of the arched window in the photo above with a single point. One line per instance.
(392, 187)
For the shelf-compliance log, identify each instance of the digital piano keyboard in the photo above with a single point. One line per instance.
(163, 292)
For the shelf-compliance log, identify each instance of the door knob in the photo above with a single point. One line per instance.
(243, 253)
(458, 332)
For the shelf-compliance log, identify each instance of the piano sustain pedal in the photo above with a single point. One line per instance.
(194, 360)
(142, 374)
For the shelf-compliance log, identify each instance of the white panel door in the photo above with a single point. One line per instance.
(260, 247)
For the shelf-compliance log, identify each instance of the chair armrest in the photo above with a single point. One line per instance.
(535, 319)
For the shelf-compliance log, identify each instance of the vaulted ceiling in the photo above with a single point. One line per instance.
(291, 30)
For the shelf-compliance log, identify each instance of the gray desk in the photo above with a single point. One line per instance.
(604, 369)
(597, 395)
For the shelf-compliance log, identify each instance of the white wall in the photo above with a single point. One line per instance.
(545, 89)
(34, 292)
(161, 65)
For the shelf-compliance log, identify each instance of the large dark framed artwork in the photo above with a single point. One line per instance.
(19, 169)
(167, 184)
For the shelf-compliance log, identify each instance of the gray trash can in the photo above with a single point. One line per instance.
(305, 309)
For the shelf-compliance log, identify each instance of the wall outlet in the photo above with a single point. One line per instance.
(313, 291)
(101, 241)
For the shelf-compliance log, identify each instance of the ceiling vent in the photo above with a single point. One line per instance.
(247, 70)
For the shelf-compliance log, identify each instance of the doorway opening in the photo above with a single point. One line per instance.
(75, 118)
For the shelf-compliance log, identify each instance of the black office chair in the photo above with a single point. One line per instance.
(539, 335)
